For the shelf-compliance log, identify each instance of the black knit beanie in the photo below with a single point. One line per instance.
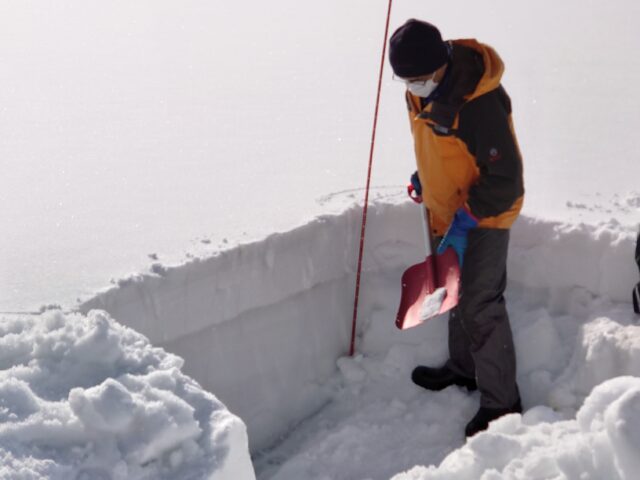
(416, 48)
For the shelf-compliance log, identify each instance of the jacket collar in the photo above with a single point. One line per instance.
(466, 69)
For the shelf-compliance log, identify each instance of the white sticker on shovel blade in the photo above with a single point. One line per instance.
(432, 303)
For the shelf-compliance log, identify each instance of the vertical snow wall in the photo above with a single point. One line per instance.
(261, 325)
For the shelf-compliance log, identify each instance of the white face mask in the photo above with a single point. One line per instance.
(422, 89)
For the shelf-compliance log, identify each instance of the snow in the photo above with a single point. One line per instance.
(351, 417)
(432, 303)
(84, 397)
(190, 181)
(602, 442)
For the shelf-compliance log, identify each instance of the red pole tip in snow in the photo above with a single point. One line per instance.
(366, 192)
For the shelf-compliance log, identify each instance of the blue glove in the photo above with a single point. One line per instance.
(415, 181)
(456, 236)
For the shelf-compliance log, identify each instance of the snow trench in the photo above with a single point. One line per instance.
(262, 325)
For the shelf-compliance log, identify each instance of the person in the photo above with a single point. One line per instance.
(469, 175)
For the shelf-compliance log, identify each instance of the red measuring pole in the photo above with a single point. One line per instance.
(366, 194)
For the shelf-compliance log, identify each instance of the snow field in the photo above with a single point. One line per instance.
(137, 108)
(271, 353)
(82, 397)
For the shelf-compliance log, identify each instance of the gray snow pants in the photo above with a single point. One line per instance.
(480, 339)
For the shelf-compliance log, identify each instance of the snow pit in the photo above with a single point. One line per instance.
(265, 326)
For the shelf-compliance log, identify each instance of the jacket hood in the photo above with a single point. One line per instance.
(492, 65)
(474, 70)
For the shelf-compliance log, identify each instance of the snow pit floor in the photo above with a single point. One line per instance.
(376, 425)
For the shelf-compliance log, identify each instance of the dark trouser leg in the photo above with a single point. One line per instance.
(460, 359)
(480, 339)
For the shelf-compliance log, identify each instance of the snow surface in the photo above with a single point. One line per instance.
(82, 397)
(204, 148)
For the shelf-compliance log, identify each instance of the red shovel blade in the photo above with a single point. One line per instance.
(425, 294)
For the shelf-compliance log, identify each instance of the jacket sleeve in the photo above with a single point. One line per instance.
(486, 129)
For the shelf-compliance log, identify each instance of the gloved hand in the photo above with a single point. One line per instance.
(456, 236)
(415, 181)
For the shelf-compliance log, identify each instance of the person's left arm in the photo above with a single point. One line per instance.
(485, 127)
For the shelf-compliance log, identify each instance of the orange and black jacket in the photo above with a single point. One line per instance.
(465, 144)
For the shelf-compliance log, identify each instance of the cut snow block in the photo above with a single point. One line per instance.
(604, 349)
(85, 397)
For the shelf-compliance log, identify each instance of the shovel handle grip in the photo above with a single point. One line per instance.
(411, 191)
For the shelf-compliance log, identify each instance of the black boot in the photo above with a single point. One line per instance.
(440, 378)
(486, 415)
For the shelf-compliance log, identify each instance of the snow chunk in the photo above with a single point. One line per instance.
(601, 443)
(109, 407)
(146, 424)
(17, 401)
(432, 303)
(604, 349)
(82, 397)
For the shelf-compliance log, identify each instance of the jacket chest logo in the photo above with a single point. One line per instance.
(437, 127)
(494, 155)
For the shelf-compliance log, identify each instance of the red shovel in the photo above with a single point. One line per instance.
(429, 288)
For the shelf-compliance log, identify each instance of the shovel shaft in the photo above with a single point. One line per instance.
(424, 212)
(428, 237)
